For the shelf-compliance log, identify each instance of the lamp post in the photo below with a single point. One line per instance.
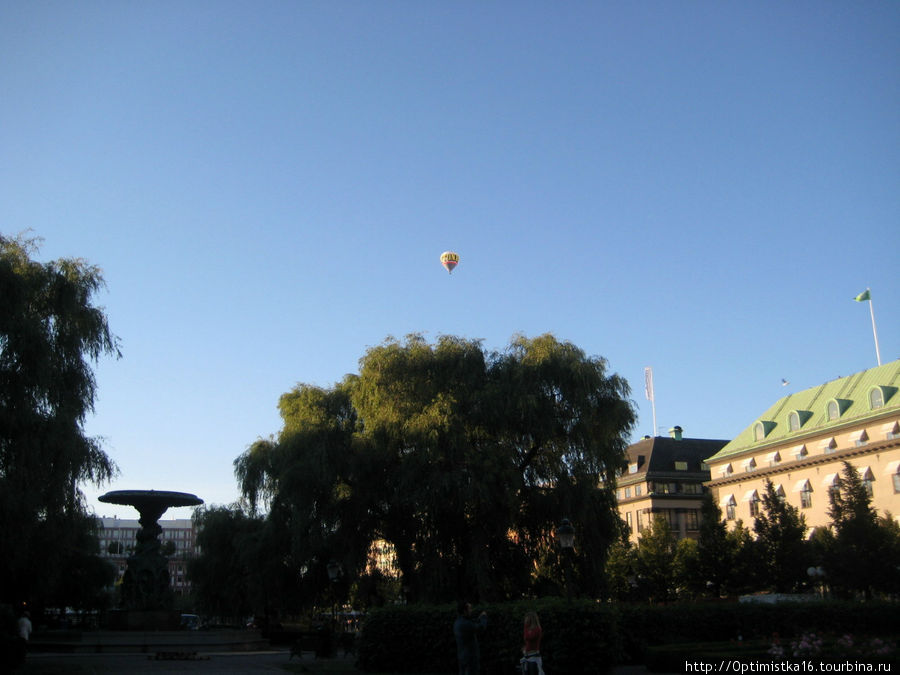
(335, 572)
(565, 534)
(817, 576)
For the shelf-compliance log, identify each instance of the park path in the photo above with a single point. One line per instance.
(224, 663)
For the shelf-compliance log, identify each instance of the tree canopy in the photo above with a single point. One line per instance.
(780, 536)
(861, 552)
(464, 460)
(50, 335)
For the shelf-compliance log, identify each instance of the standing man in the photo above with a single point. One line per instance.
(466, 630)
(23, 630)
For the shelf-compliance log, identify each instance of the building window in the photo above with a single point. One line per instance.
(750, 465)
(876, 398)
(861, 438)
(628, 493)
(774, 458)
(640, 519)
(868, 481)
(754, 505)
(896, 479)
(632, 468)
(681, 466)
(730, 505)
(892, 430)
(628, 521)
(637, 490)
(691, 488)
(794, 421)
(692, 519)
(806, 497)
(834, 411)
(759, 431)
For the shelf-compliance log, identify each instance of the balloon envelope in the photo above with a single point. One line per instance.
(450, 260)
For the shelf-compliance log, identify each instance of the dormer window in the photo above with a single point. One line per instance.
(681, 466)
(762, 429)
(759, 431)
(836, 407)
(794, 421)
(876, 398)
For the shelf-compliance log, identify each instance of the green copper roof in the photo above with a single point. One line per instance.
(851, 395)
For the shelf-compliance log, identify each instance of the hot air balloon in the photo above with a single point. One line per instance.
(450, 260)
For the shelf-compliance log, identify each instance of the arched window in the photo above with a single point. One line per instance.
(794, 421)
(876, 398)
(759, 431)
(834, 410)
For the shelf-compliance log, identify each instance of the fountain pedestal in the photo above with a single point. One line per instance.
(146, 602)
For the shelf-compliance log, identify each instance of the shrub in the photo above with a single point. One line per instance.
(584, 636)
(579, 637)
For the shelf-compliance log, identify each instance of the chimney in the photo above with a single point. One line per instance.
(675, 432)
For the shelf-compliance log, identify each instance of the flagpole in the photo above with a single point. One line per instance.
(874, 331)
(867, 295)
(648, 391)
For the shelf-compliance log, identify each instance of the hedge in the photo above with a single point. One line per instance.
(583, 636)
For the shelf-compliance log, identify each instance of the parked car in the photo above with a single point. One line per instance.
(190, 622)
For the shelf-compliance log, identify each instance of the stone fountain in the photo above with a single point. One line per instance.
(146, 601)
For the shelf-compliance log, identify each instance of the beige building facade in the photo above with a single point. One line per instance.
(802, 441)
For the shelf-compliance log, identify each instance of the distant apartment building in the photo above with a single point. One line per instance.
(802, 441)
(665, 477)
(118, 540)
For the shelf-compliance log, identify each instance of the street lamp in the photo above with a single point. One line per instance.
(335, 572)
(817, 576)
(565, 534)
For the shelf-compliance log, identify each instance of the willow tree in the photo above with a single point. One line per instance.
(50, 335)
(464, 460)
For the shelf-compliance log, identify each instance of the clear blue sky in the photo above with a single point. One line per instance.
(701, 187)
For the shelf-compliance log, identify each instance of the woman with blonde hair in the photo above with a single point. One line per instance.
(532, 664)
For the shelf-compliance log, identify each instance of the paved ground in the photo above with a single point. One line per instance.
(225, 663)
